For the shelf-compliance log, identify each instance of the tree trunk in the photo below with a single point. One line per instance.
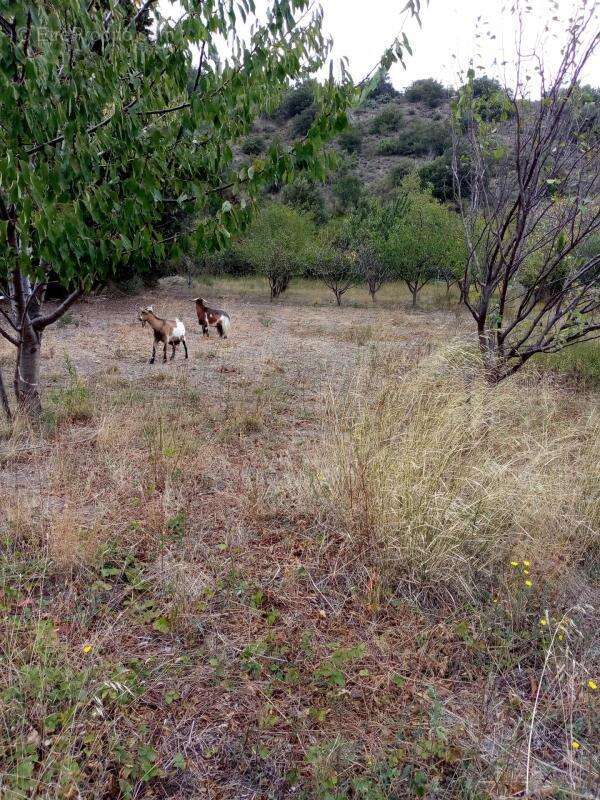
(338, 297)
(414, 297)
(372, 292)
(4, 399)
(27, 374)
(27, 370)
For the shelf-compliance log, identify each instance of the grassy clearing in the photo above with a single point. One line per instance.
(292, 582)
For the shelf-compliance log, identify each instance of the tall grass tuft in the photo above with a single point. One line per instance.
(437, 481)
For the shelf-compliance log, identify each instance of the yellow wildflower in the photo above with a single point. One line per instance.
(87, 648)
(514, 563)
(528, 584)
(543, 622)
(575, 744)
(526, 564)
(592, 685)
(525, 572)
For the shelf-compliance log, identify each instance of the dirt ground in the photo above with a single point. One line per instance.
(312, 346)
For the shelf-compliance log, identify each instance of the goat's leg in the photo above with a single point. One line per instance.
(165, 354)
(184, 347)
(153, 352)
(205, 330)
(173, 353)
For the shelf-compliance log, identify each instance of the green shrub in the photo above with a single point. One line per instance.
(347, 190)
(382, 90)
(402, 168)
(580, 362)
(228, 262)
(387, 121)
(437, 176)
(307, 197)
(419, 138)
(303, 121)
(426, 90)
(491, 101)
(278, 245)
(296, 101)
(253, 145)
(351, 140)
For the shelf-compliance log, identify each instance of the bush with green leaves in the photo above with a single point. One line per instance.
(438, 177)
(253, 145)
(278, 244)
(296, 100)
(491, 99)
(426, 90)
(350, 140)
(302, 122)
(306, 196)
(347, 190)
(418, 138)
(382, 89)
(98, 174)
(227, 262)
(387, 121)
(402, 168)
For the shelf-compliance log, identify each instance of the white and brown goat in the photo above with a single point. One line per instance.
(166, 331)
(212, 316)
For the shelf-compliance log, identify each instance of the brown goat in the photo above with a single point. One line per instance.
(167, 331)
(212, 316)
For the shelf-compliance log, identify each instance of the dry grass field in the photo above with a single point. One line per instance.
(320, 559)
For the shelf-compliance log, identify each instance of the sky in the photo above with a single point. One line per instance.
(453, 32)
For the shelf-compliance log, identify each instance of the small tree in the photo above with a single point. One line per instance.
(278, 245)
(372, 268)
(334, 260)
(530, 282)
(426, 241)
(367, 230)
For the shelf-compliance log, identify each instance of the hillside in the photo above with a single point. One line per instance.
(389, 135)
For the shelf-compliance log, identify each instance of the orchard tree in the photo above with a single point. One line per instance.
(368, 229)
(278, 245)
(335, 260)
(105, 146)
(531, 278)
(426, 241)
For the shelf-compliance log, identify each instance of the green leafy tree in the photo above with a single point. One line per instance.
(110, 157)
(426, 241)
(335, 259)
(278, 245)
(367, 231)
